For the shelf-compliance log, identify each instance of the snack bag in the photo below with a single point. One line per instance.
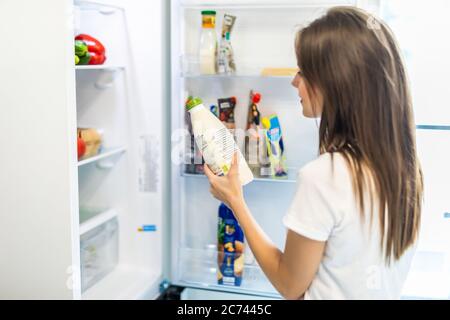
(225, 55)
(226, 112)
(275, 146)
(230, 248)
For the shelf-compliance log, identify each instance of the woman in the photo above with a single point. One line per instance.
(353, 223)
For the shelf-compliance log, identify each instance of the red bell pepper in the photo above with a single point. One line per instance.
(97, 58)
(95, 48)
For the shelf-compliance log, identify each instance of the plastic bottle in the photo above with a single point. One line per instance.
(208, 43)
(230, 247)
(215, 141)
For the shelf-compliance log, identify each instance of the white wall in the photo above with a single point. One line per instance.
(38, 182)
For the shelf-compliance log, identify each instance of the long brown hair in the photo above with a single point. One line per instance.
(353, 60)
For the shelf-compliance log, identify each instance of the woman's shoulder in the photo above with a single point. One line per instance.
(326, 166)
(328, 175)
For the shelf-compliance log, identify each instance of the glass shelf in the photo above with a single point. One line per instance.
(291, 177)
(102, 155)
(198, 268)
(255, 4)
(99, 67)
(233, 76)
(190, 68)
(102, 8)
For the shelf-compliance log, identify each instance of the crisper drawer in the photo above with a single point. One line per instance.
(198, 268)
(99, 252)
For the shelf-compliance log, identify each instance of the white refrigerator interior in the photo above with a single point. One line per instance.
(262, 37)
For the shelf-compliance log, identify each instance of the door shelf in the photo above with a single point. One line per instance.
(123, 283)
(102, 8)
(92, 218)
(198, 268)
(291, 177)
(99, 67)
(102, 155)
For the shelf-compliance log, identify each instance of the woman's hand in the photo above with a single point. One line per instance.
(227, 188)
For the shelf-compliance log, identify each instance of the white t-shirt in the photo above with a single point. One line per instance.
(325, 209)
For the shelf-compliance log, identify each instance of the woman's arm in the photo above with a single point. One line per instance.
(292, 271)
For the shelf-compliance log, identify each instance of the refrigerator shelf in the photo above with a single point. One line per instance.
(253, 4)
(198, 269)
(234, 76)
(99, 67)
(291, 177)
(190, 68)
(102, 155)
(102, 8)
(92, 218)
(123, 283)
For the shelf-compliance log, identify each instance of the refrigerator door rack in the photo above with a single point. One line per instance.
(103, 8)
(93, 219)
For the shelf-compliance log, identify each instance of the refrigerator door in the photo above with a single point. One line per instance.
(430, 271)
(123, 98)
(428, 68)
(262, 39)
(427, 60)
(99, 218)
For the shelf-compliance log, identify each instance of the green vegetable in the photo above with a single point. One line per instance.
(77, 59)
(85, 59)
(81, 48)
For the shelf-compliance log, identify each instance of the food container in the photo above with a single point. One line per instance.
(99, 252)
(92, 139)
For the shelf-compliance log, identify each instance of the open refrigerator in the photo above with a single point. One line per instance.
(129, 221)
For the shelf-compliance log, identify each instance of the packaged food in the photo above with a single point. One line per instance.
(215, 141)
(99, 252)
(225, 55)
(92, 139)
(230, 247)
(255, 142)
(226, 111)
(275, 146)
(227, 24)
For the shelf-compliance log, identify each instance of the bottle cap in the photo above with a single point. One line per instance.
(208, 13)
(256, 97)
(193, 102)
